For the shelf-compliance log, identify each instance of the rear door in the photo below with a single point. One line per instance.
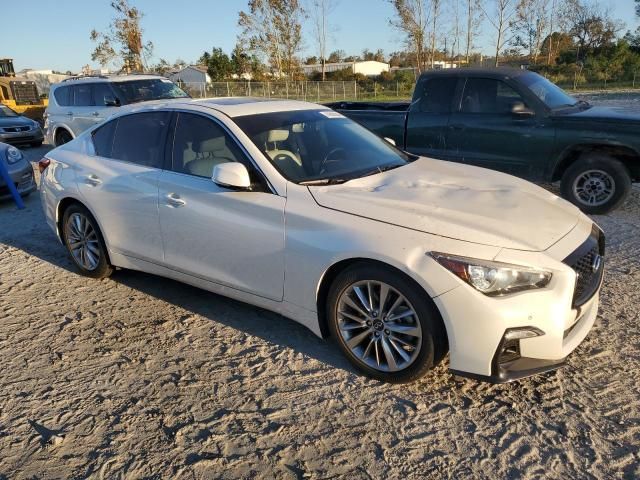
(428, 116)
(120, 182)
(484, 131)
(82, 108)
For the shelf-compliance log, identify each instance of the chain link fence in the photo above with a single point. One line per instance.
(303, 90)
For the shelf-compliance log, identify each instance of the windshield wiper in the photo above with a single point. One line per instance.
(380, 170)
(325, 181)
(583, 103)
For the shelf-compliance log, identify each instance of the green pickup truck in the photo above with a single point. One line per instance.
(517, 122)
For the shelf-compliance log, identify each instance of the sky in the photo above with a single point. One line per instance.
(54, 34)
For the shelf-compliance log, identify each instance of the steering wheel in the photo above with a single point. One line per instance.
(327, 159)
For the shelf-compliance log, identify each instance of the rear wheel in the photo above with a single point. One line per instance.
(386, 325)
(62, 137)
(596, 183)
(84, 242)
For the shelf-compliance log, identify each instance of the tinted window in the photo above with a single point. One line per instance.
(486, 95)
(103, 139)
(100, 92)
(63, 95)
(133, 91)
(139, 138)
(436, 95)
(200, 144)
(82, 95)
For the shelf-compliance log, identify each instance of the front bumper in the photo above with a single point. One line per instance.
(34, 135)
(477, 324)
(23, 178)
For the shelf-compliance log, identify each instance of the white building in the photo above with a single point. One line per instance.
(42, 78)
(190, 74)
(369, 68)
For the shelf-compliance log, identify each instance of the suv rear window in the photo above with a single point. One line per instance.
(62, 96)
(133, 91)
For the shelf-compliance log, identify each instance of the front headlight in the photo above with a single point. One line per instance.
(13, 155)
(493, 278)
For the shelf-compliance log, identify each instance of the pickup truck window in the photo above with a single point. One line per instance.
(551, 95)
(486, 95)
(435, 95)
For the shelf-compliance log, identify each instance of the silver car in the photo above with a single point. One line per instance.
(78, 103)
(17, 129)
(20, 172)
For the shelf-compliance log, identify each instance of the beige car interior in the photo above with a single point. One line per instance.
(201, 156)
(285, 160)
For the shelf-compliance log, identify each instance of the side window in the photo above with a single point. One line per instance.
(200, 144)
(103, 139)
(436, 94)
(62, 95)
(485, 95)
(100, 92)
(140, 138)
(82, 95)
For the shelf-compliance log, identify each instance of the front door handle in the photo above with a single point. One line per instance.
(70, 114)
(93, 180)
(95, 114)
(456, 126)
(174, 200)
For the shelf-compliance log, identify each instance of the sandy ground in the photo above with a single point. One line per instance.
(142, 377)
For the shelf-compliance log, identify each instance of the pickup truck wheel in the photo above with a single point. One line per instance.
(596, 183)
(386, 326)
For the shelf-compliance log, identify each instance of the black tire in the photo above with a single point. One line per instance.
(62, 137)
(434, 344)
(103, 267)
(608, 168)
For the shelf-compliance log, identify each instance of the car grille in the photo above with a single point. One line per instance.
(588, 263)
(25, 93)
(15, 129)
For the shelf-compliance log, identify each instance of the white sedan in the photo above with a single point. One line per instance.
(292, 207)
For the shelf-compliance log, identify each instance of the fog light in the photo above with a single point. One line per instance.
(520, 333)
(509, 349)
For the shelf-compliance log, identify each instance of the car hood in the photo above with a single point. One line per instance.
(602, 114)
(457, 201)
(15, 122)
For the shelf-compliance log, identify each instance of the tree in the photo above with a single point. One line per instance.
(125, 34)
(377, 56)
(336, 56)
(529, 26)
(321, 9)
(436, 7)
(218, 64)
(412, 18)
(638, 8)
(499, 17)
(473, 24)
(591, 24)
(272, 28)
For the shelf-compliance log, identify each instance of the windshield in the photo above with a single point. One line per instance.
(133, 91)
(552, 95)
(319, 145)
(7, 112)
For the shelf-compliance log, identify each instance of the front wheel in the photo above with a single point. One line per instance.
(84, 242)
(385, 324)
(596, 183)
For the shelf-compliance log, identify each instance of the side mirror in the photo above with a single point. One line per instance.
(519, 109)
(111, 101)
(231, 175)
(390, 140)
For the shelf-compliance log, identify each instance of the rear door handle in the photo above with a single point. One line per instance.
(70, 114)
(95, 114)
(174, 200)
(93, 180)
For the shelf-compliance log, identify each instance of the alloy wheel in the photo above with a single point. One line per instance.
(82, 241)
(379, 325)
(594, 187)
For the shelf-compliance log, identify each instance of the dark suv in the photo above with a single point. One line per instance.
(518, 122)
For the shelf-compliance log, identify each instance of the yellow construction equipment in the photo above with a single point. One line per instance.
(18, 93)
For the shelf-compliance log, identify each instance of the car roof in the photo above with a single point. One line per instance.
(107, 79)
(230, 106)
(497, 72)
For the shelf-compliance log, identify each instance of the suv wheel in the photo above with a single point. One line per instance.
(62, 137)
(596, 183)
(84, 242)
(386, 325)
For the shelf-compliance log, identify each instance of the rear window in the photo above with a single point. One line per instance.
(435, 95)
(140, 138)
(82, 95)
(61, 95)
(103, 139)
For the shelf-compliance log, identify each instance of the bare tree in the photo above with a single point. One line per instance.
(530, 25)
(412, 20)
(124, 33)
(474, 19)
(499, 17)
(273, 28)
(456, 27)
(436, 10)
(320, 11)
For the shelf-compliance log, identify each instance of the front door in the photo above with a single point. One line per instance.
(233, 238)
(484, 131)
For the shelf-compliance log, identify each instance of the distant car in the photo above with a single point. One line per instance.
(517, 122)
(293, 207)
(79, 103)
(20, 171)
(19, 130)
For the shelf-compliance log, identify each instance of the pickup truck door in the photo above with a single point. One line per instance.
(429, 115)
(484, 131)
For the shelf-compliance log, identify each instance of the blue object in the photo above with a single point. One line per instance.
(4, 173)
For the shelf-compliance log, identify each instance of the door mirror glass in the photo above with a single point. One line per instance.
(390, 140)
(231, 175)
(110, 101)
(519, 109)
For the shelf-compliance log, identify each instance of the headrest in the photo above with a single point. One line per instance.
(209, 145)
(277, 135)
